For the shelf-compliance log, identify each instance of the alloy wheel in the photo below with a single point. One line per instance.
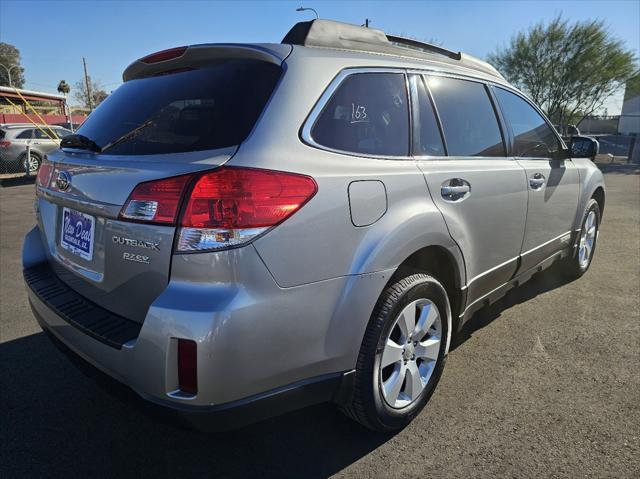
(34, 163)
(410, 353)
(587, 239)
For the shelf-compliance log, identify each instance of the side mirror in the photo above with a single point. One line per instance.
(584, 147)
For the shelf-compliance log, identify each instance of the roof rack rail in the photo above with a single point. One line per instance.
(331, 34)
(428, 47)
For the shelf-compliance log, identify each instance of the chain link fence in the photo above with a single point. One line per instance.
(18, 160)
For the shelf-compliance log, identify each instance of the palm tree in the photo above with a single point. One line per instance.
(63, 87)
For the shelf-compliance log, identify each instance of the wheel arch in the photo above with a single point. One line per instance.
(440, 263)
(592, 186)
(599, 196)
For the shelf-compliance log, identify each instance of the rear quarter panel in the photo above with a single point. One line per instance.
(320, 241)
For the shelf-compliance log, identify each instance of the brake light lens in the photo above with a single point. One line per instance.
(222, 208)
(230, 206)
(188, 366)
(156, 201)
(5, 144)
(164, 55)
(44, 174)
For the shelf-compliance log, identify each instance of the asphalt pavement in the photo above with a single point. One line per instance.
(545, 383)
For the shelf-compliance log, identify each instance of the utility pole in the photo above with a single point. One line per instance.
(88, 85)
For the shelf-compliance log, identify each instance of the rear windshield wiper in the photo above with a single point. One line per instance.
(80, 142)
(129, 135)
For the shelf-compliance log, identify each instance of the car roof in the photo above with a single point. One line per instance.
(335, 39)
(358, 42)
(22, 126)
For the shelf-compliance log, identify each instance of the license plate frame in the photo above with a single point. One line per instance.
(77, 233)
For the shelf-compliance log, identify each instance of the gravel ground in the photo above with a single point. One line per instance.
(545, 383)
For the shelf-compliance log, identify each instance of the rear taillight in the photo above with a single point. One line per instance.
(222, 208)
(44, 174)
(163, 55)
(188, 366)
(5, 144)
(230, 206)
(156, 201)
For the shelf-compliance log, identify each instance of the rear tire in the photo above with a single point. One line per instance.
(402, 355)
(34, 163)
(576, 265)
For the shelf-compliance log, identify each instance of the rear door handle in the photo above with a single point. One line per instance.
(455, 189)
(537, 181)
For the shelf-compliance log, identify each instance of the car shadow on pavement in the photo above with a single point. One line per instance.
(538, 284)
(619, 168)
(58, 422)
(18, 180)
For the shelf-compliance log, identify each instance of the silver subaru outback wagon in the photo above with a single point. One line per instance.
(240, 230)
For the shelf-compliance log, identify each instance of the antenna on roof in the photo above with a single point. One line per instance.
(302, 9)
(366, 23)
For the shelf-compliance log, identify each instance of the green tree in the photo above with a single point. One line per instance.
(98, 93)
(569, 70)
(63, 87)
(10, 59)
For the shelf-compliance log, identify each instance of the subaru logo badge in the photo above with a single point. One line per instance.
(63, 180)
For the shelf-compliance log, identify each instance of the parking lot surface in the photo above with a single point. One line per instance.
(545, 383)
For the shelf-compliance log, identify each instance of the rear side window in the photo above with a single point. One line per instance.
(533, 137)
(368, 114)
(193, 110)
(468, 118)
(427, 141)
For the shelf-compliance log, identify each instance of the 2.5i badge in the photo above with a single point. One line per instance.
(137, 258)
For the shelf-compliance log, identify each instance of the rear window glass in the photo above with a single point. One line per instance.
(193, 110)
(368, 114)
(468, 118)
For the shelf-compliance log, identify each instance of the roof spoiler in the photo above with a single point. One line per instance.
(198, 55)
(331, 34)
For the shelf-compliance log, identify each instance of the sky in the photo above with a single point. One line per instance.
(112, 34)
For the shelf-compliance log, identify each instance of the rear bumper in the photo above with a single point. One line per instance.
(261, 349)
(330, 387)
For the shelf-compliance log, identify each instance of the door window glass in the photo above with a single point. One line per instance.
(533, 137)
(427, 139)
(41, 135)
(61, 132)
(468, 118)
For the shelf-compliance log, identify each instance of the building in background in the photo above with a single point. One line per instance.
(629, 123)
(17, 106)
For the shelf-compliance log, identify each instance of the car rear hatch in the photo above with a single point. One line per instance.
(171, 118)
